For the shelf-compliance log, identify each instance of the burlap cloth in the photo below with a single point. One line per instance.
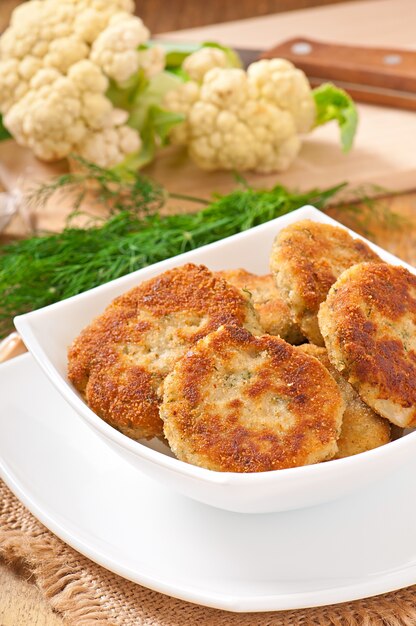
(85, 593)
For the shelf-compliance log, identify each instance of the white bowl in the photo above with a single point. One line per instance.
(49, 331)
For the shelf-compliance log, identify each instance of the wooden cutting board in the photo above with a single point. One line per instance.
(384, 152)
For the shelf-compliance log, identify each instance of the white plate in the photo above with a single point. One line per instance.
(96, 502)
(47, 332)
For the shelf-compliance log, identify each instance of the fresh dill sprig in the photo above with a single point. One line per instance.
(44, 269)
(113, 189)
(369, 211)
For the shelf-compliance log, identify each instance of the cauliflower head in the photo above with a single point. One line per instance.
(233, 121)
(56, 59)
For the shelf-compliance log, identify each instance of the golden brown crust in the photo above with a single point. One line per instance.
(307, 258)
(120, 360)
(125, 397)
(362, 429)
(241, 403)
(273, 312)
(369, 326)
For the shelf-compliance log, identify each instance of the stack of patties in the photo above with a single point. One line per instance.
(120, 361)
(344, 297)
(185, 346)
(206, 359)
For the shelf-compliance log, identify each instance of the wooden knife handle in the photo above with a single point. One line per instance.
(379, 67)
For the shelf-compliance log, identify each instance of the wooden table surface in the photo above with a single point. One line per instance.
(386, 22)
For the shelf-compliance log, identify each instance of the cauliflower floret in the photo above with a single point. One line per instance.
(35, 27)
(47, 120)
(228, 89)
(278, 81)
(115, 49)
(26, 12)
(12, 85)
(29, 66)
(89, 24)
(109, 146)
(87, 77)
(45, 76)
(58, 111)
(152, 61)
(230, 126)
(200, 62)
(64, 52)
(93, 16)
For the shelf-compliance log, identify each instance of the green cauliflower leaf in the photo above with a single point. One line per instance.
(333, 103)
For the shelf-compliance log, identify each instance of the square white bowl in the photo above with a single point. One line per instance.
(49, 331)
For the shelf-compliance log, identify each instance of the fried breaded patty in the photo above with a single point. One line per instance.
(307, 257)
(120, 360)
(273, 312)
(241, 403)
(362, 429)
(369, 325)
